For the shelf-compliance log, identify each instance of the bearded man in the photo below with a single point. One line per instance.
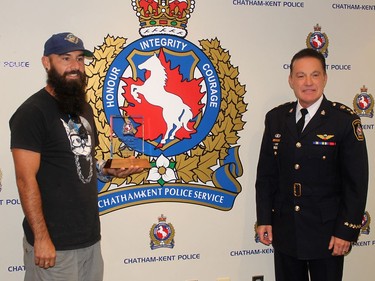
(53, 139)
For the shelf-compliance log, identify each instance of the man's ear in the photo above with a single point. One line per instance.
(290, 81)
(46, 63)
(325, 79)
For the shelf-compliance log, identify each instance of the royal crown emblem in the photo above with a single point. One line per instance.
(163, 16)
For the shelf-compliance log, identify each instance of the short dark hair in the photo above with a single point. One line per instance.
(309, 53)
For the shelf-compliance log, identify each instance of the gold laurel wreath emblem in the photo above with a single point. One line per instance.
(198, 164)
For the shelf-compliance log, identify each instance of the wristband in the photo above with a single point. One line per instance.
(99, 169)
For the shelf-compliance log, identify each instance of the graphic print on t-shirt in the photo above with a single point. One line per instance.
(79, 137)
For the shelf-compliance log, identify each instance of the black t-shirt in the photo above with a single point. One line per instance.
(67, 175)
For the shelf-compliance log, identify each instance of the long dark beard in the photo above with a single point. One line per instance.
(70, 95)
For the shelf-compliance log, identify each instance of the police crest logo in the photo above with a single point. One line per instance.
(318, 41)
(1, 180)
(366, 220)
(256, 236)
(363, 103)
(162, 234)
(192, 105)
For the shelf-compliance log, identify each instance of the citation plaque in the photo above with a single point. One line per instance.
(127, 145)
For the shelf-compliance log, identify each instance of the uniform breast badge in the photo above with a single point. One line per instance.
(325, 138)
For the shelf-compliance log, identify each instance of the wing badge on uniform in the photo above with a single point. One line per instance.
(325, 137)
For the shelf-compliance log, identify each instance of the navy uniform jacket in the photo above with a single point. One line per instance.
(314, 186)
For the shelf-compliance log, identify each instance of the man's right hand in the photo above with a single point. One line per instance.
(265, 234)
(44, 253)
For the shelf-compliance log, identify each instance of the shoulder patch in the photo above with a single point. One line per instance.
(287, 104)
(342, 107)
(357, 129)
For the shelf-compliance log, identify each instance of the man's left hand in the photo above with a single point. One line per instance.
(122, 172)
(339, 246)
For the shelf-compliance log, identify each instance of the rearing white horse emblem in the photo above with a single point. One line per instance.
(176, 113)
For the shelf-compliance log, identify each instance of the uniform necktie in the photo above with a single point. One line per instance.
(301, 121)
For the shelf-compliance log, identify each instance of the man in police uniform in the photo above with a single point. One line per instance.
(311, 186)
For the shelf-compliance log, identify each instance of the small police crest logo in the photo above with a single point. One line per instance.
(1, 179)
(318, 41)
(363, 103)
(366, 220)
(191, 104)
(256, 236)
(162, 234)
(128, 128)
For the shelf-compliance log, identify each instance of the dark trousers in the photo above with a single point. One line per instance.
(292, 269)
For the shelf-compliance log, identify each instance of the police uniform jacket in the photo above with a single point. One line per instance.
(312, 187)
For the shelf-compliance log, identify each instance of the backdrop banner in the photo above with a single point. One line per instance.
(189, 83)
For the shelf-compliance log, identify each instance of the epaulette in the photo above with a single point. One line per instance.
(282, 105)
(342, 107)
(357, 128)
